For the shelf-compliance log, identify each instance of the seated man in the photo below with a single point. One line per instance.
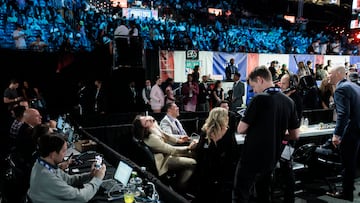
(49, 183)
(171, 125)
(167, 157)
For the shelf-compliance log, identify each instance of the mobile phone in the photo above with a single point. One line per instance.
(69, 157)
(99, 161)
(195, 135)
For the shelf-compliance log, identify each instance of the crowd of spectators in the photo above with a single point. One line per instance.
(181, 25)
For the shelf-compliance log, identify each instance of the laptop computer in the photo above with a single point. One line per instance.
(60, 123)
(121, 177)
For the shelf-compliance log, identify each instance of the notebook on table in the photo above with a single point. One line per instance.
(121, 177)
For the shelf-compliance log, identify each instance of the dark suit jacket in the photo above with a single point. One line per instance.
(229, 71)
(238, 93)
(347, 101)
(101, 101)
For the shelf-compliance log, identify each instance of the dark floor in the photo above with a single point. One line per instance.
(313, 190)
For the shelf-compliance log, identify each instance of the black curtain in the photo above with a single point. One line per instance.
(152, 64)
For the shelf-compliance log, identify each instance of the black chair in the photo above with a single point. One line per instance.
(322, 162)
(328, 165)
(302, 157)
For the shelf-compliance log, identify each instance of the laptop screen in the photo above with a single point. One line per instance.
(123, 173)
(60, 123)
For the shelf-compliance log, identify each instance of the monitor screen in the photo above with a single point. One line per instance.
(60, 123)
(123, 173)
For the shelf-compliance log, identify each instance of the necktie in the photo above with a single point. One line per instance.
(180, 129)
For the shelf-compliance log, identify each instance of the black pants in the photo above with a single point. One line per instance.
(246, 180)
(349, 148)
(287, 179)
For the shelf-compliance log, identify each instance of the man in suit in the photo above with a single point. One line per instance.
(238, 92)
(100, 106)
(230, 70)
(167, 157)
(347, 129)
(171, 125)
(269, 118)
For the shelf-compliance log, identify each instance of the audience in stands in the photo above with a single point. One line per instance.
(235, 33)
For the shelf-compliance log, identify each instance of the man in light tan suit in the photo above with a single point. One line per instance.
(167, 156)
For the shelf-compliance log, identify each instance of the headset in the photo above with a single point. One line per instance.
(293, 83)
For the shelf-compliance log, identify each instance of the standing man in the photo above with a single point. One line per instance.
(145, 93)
(230, 70)
(11, 95)
(288, 85)
(270, 118)
(204, 95)
(238, 93)
(347, 129)
(100, 106)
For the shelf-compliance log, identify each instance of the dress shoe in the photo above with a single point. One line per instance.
(340, 195)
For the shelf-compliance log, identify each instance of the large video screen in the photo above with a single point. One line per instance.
(141, 13)
(119, 3)
(215, 11)
(355, 8)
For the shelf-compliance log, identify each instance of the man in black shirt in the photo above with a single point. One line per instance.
(270, 117)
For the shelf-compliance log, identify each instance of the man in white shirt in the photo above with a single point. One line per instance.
(19, 37)
(336, 47)
(122, 31)
(146, 95)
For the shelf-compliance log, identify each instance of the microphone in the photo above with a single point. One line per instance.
(288, 90)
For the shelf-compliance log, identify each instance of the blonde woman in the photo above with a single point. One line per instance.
(210, 158)
(326, 93)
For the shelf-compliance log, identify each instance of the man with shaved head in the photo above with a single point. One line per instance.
(347, 129)
(25, 148)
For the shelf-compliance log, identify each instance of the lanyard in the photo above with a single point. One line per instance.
(46, 165)
(272, 90)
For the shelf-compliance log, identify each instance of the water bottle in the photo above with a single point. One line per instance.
(135, 179)
(306, 122)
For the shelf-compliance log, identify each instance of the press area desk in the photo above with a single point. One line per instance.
(112, 158)
(311, 131)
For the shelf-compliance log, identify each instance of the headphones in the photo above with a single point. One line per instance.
(293, 81)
